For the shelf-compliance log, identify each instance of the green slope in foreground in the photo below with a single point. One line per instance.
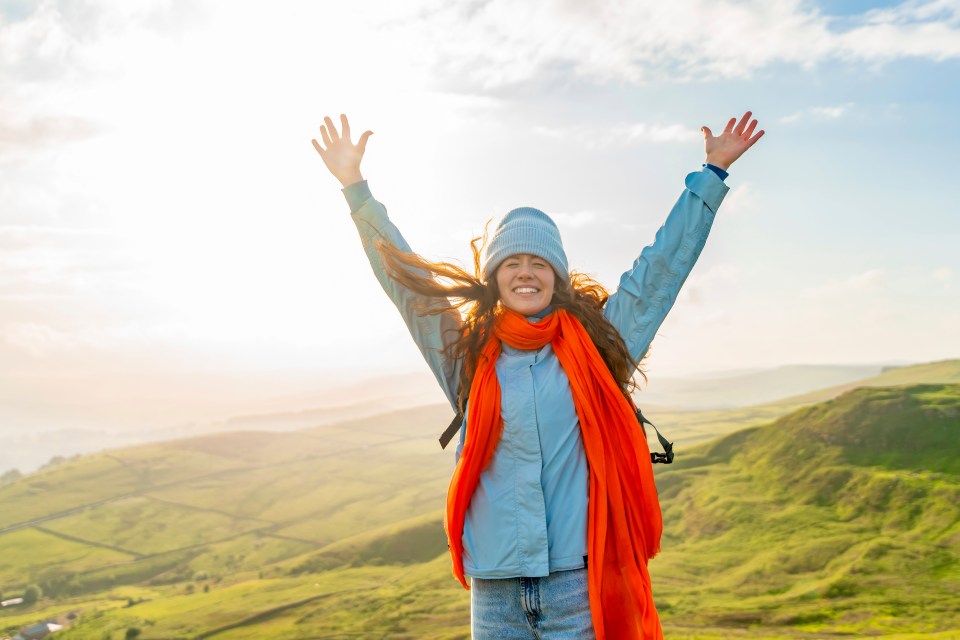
(839, 519)
(843, 517)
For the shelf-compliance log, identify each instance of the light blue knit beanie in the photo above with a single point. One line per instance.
(525, 230)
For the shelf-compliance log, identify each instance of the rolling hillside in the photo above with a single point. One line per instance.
(941, 372)
(150, 507)
(839, 518)
(693, 427)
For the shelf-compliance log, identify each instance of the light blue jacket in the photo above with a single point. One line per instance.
(528, 516)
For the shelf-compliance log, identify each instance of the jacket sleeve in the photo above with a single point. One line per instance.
(647, 291)
(431, 333)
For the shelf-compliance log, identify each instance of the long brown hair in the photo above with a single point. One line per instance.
(444, 282)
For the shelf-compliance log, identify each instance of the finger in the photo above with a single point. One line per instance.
(331, 129)
(749, 131)
(706, 132)
(345, 126)
(729, 126)
(326, 138)
(316, 145)
(754, 138)
(742, 123)
(362, 142)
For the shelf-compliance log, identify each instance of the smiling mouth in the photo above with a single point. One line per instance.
(526, 290)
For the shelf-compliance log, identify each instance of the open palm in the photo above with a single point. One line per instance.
(341, 156)
(723, 150)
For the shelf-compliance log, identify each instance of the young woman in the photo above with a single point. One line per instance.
(552, 510)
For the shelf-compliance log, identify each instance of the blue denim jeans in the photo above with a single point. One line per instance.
(556, 607)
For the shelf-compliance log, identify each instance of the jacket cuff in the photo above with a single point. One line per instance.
(717, 170)
(708, 186)
(356, 194)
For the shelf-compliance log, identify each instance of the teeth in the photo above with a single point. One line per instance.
(524, 290)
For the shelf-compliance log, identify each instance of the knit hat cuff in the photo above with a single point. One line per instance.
(526, 230)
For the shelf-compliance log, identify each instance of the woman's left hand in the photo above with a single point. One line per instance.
(724, 149)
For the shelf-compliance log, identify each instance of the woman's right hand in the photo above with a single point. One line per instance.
(341, 156)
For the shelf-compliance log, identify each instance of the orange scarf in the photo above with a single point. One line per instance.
(624, 521)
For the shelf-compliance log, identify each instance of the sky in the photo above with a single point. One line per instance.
(170, 240)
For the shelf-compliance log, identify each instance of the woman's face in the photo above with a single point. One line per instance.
(526, 283)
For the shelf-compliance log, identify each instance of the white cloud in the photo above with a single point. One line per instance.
(661, 133)
(37, 46)
(885, 42)
(944, 276)
(912, 11)
(719, 274)
(597, 137)
(706, 283)
(682, 41)
(29, 135)
(741, 200)
(868, 281)
(818, 113)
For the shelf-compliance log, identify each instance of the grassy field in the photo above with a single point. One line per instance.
(841, 518)
(22, 556)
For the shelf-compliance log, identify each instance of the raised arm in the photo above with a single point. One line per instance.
(648, 290)
(431, 332)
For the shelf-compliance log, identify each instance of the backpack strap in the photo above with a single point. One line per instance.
(451, 431)
(657, 458)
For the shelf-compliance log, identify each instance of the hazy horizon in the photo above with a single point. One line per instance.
(32, 434)
(139, 399)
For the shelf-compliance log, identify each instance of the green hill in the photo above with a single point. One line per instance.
(418, 539)
(687, 428)
(218, 503)
(841, 518)
(940, 372)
